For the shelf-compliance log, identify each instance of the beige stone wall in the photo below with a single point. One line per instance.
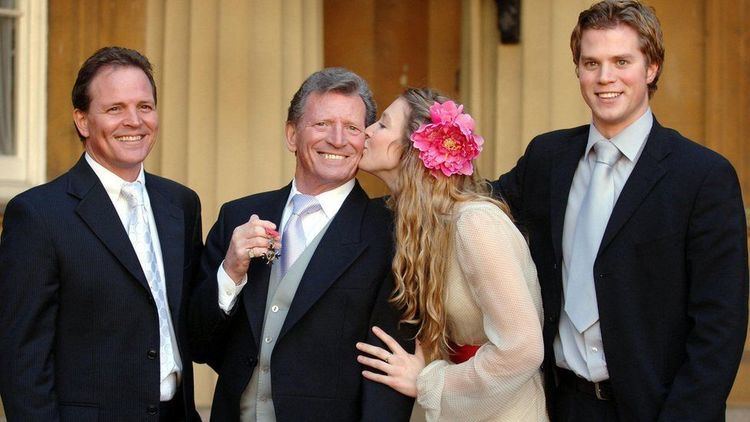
(518, 91)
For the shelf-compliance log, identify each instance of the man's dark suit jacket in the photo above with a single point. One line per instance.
(80, 330)
(671, 273)
(344, 291)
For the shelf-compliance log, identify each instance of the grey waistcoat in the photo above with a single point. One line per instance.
(256, 403)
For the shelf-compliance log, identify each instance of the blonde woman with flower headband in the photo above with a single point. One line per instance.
(463, 272)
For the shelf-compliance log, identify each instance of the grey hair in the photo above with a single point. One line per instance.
(332, 79)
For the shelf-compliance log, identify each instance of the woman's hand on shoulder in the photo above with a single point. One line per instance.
(399, 368)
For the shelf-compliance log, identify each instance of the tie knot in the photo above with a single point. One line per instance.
(133, 193)
(304, 204)
(606, 153)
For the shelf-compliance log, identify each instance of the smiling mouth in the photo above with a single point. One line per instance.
(332, 156)
(129, 138)
(608, 95)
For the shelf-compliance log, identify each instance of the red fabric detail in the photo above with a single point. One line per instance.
(462, 353)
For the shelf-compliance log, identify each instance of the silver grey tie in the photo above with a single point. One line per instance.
(293, 239)
(580, 292)
(140, 236)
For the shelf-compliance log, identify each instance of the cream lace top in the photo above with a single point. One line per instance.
(492, 300)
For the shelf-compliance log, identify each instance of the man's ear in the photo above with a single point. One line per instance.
(80, 118)
(291, 137)
(651, 71)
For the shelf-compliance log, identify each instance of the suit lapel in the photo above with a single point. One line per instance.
(258, 278)
(644, 177)
(169, 224)
(337, 250)
(97, 211)
(566, 163)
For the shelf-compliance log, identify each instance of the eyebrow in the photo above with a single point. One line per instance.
(615, 57)
(357, 125)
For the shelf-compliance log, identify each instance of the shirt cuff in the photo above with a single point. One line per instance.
(228, 290)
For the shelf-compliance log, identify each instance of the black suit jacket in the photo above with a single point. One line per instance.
(671, 273)
(78, 318)
(344, 291)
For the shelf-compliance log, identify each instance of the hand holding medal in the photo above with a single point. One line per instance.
(255, 239)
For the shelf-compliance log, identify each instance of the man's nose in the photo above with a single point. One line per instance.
(606, 74)
(132, 118)
(338, 135)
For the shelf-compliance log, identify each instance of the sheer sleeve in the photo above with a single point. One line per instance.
(494, 261)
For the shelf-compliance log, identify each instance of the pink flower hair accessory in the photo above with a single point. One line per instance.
(448, 144)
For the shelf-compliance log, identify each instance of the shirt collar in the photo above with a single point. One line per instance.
(330, 200)
(630, 141)
(112, 182)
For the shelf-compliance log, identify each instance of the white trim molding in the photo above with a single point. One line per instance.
(27, 167)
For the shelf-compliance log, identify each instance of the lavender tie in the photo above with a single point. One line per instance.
(293, 239)
(580, 292)
(140, 237)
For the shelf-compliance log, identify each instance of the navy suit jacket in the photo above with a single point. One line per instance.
(78, 318)
(671, 273)
(344, 291)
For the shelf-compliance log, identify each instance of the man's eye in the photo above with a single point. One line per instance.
(113, 109)
(355, 129)
(321, 124)
(146, 107)
(622, 62)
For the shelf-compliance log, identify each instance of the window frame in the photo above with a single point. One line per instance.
(27, 167)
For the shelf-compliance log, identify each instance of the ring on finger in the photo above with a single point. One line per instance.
(250, 253)
(387, 358)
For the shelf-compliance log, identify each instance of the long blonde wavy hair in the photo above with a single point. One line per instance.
(424, 230)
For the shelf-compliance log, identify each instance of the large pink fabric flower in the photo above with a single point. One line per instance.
(448, 144)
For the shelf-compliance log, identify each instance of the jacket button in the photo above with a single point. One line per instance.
(152, 409)
(550, 318)
(152, 354)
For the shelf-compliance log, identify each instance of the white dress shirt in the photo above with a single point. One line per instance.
(330, 203)
(583, 353)
(113, 185)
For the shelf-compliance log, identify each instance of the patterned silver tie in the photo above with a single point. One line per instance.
(580, 292)
(140, 236)
(293, 239)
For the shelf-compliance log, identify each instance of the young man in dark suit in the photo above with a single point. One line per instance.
(638, 235)
(281, 333)
(97, 266)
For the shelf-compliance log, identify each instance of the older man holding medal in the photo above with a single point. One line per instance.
(278, 313)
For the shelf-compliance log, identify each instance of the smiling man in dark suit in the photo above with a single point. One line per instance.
(638, 235)
(282, 336)
(97, 267)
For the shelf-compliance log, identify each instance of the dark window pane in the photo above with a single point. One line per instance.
(7, 85)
